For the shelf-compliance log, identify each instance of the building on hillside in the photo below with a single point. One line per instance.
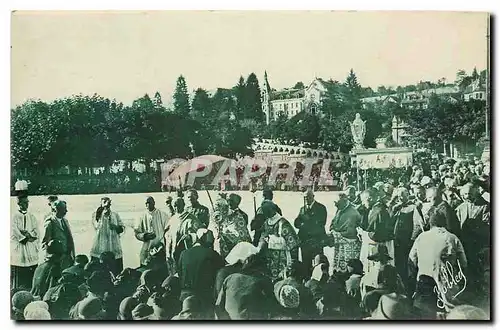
(383, 99)
(475, 91)
(420, 99)
(291, 101)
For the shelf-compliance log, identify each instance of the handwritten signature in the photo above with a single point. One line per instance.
(450, 280)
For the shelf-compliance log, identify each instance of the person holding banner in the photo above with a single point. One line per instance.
(281, 239)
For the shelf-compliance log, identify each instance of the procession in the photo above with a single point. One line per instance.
(418, 250)
(330, 194)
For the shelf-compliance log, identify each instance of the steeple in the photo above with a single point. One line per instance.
(267, 87)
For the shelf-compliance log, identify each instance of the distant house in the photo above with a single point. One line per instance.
(420, 99)
(475, 91)
(383, 99)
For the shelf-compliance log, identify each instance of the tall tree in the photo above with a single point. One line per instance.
(240, 92)
(352, 91)
(252, 99)
(474, 74)
(181, 97)
(202, 105)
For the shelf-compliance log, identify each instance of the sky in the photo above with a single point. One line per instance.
(124, 55)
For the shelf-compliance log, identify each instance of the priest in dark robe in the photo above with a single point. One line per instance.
(380, 228)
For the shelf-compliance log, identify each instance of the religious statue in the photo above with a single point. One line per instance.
(358, 130)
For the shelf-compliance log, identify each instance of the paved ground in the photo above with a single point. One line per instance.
(130, 207)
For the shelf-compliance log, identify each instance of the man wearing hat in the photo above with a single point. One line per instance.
(311, 223)
(150, 228)
(24, 242)
(57, 228)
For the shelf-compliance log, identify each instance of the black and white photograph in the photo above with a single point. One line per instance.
(250, 165)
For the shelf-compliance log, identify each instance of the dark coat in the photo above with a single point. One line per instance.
(245, 297)
(346, 221)
(198, 267)
(46, 276)
(311, 223)
(380, 223)
(54, 231)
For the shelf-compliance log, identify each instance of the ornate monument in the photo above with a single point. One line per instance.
(358, 130)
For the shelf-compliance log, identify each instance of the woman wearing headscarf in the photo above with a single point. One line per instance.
(108, 227)
(24, 245)
(230, 226)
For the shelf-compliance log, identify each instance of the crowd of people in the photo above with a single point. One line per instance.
(396, 251)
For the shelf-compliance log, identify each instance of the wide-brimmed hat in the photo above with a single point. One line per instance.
(381, 254)
(287, 294)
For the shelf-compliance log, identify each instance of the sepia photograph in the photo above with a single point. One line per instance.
(250, 165)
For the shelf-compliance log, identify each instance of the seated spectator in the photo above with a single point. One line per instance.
(370, 302)
(126, 307)
(78, 269)
(63, 296)
(247, 295)
(191, 309)
(90, 308)
(467, 312)
(172, 286)
(352, 284)
(99, 283)
(163, 309)
(234, 263)
(142, 312)
(108, 263)
(425, 299)
(48, 273)
(317, 283)
(37, 310)
(20, 300)
(393, 306)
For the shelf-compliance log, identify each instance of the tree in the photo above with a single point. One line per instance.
(352, 92)
(253, 103)
(382, 90)
(158, 103)
(202, 105)
(181, 97)
(474, 74)
(299, 85)
(240, 92)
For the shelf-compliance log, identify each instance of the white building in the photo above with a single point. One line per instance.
(475, 91)
(291, 101)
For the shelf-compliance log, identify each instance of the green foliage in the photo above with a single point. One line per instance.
(299, 85)
(252, 101)
(181, 97)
